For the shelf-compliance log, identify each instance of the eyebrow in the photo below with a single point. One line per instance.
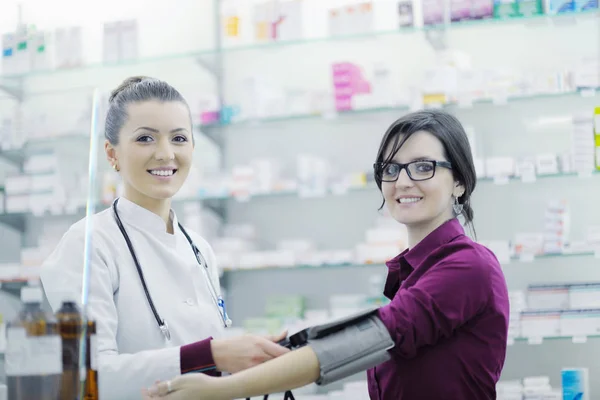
(156, 130)
(421, 158)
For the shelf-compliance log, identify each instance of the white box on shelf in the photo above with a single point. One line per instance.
(500, 167)
(280, 258)
(540, 324)
(242, 231)
(375, 253)
(129, 39)
(584, 296)
(232, 245)
(111, 42)
(17, 204)
(339, 257)
(44, 183)
(544, 297)
(34, 256)
(296, 245)
(547, 164)
(227, 260)
(41, 203)
(40, 163)
(582, 322)
(9, 48)
(17, 185)
(251, 260)
(9, 271)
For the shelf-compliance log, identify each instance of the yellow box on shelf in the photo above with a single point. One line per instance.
(434, 99)
(597, 136)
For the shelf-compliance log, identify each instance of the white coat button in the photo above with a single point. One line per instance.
(190, 302)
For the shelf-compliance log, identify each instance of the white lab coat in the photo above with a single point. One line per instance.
(132, 351)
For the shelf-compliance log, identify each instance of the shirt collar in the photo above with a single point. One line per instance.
(443, 234)
(144, 219)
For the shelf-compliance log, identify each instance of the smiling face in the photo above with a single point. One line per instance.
(421, 205)
(154, 152)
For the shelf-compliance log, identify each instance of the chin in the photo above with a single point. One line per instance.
(163, 194)
(407, 218)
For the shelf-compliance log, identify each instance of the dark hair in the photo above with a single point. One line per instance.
(451, 133)
(133, 90)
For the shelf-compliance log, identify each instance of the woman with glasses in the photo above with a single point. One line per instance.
(449, 311)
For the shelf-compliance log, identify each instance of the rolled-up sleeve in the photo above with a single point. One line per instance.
(444, 298)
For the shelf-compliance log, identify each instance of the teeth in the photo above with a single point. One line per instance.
(162, 173)
(409, 200)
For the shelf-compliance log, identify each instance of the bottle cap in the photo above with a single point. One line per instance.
(31, 294)
(68, 297)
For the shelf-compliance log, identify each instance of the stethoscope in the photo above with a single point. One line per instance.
(162, 324)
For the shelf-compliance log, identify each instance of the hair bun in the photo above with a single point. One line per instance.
(127, 83)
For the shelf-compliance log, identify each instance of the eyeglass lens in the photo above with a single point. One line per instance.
(417, 170)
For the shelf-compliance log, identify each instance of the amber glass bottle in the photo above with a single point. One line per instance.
(71, 327)
(91, 369)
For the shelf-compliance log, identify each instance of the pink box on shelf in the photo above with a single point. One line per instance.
(348, 81)
(343, 103)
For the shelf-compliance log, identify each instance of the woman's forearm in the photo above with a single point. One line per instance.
(290, 371)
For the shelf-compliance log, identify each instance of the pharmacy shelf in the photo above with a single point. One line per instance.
(43, 145)
(460, 104)
(536, 341)
(17, 220)
(13, 287)
(513, 259)
(372, 186)
(202, 55)
(532, 20)
(193, 55)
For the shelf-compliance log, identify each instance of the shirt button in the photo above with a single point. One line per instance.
(190, 302)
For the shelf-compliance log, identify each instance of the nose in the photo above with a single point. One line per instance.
(404, 180)
(164, 150)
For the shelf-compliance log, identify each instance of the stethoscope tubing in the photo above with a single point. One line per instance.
(162, 324)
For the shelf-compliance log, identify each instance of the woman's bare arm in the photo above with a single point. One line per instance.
(290, 371)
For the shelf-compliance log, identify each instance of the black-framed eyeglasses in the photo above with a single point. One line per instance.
(419, 170)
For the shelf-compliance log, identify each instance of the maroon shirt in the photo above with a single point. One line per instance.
(448, 317)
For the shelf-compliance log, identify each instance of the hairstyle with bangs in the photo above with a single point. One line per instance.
(457, 149)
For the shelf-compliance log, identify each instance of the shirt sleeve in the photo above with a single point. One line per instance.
(444, 298)
(198, 357)
(121, 376)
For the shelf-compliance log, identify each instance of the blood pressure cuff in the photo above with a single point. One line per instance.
(347, 346)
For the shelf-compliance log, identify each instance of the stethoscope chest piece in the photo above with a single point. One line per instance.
(164, 327)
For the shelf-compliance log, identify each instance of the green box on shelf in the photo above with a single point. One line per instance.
(378, 301)
(529, 8)
(285, 307)
(505, 9)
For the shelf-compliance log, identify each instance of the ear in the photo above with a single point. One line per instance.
(111, 153)
(459, 189)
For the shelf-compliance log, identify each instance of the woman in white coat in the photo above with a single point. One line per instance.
(153, 296)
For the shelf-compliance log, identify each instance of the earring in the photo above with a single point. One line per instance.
(457, 207)
(115, 167)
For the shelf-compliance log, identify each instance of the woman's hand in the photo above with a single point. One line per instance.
(242, 352)
(187, 387)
